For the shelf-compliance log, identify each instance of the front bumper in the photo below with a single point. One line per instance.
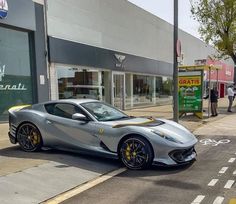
(183, 155)
(12, 138)
(176, 157)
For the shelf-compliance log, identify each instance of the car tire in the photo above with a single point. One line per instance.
(136, 153)
(29, 137)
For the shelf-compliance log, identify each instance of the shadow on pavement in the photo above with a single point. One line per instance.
(87, 162)
(64, 158)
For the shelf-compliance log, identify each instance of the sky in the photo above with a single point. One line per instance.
(165, 8)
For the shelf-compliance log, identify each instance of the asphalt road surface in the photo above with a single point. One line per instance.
(211, 179)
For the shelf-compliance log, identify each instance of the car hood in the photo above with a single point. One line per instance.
(162, 126)
(174, 130)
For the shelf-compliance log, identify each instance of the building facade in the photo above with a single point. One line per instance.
(88, 49)
(124, 58)
(22, 54)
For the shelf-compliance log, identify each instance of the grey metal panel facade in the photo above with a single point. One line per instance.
(113, 25)
(21, 14)
(101, 23)
(40, 55)
(67, 52)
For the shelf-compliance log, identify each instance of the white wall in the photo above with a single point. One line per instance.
(121, 26)
(111, 24)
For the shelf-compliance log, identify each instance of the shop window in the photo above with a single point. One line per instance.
(163, 89)
(80, 83)
(15, 70)
(142, 90)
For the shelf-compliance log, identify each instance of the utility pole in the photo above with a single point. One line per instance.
(175, 63)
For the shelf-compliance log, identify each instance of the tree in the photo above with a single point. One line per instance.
(217, 20)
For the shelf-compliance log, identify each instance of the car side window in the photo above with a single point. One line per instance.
(64, 110)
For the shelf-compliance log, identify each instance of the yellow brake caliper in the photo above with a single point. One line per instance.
(35, 138)
(127, 152)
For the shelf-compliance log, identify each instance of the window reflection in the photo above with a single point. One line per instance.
(142, 89)
(80, 83)
(163, 89)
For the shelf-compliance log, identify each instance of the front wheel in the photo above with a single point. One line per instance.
(29, 137)
(136, 153)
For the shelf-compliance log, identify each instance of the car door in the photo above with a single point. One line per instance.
(67, 131)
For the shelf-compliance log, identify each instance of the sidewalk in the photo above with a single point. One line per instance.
(190, 121)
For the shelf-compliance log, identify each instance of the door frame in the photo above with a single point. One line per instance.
(113, 86)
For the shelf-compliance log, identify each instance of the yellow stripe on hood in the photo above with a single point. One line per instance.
(151, 120)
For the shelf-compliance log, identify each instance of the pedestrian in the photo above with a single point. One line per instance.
(214, 101)
(230, 94)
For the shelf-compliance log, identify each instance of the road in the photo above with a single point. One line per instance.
(211, 179)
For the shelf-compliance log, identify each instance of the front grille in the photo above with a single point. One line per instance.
(180, 156)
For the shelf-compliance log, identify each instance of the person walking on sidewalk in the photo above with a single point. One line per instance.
(230, 93)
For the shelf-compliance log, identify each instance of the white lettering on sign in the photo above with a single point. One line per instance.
(10, 87)
(214, 142)
(228, 73)
(2, 72)
(15, 87)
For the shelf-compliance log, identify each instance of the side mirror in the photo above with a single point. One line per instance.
(79, 116)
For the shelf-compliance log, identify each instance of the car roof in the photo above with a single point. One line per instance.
(76, 101)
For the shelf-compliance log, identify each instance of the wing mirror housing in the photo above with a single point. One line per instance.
(79, 116)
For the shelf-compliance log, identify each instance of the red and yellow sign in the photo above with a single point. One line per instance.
(189, 81)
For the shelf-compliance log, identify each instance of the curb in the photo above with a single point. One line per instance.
(83, 187)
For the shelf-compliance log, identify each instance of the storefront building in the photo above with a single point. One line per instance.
(102, 74)
(22, 54)
(98, 56)
(92, 51)
(125, 59)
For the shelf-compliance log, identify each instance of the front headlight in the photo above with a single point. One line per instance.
(167, 137)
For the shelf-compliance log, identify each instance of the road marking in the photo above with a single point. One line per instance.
(229, 184)
(231, 160)
(198, 199)
(214, 142)
(234, 173)
(232, 201)
(223, 170)
(213, 182)
(218, 200)
(81, 188)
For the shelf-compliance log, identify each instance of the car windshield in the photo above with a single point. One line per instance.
(104, 112)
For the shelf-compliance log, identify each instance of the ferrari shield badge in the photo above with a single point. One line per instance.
(101, 131)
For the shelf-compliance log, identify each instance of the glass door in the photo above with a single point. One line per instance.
(119, 90)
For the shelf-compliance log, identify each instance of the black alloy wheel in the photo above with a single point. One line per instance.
(136, 153)
(29, 137)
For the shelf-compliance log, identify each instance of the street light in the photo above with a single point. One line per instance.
(175, 65)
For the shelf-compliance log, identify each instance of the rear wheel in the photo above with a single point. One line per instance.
(29, 137)
(136, 153)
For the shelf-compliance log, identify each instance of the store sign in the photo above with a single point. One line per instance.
(200, 62)
(3, 9)
(10, 87)
(120, 59)
(228, 73)
(190, 92)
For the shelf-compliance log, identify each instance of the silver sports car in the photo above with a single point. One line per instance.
(92, 126)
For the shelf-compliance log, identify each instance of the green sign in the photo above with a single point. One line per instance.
(190, 91)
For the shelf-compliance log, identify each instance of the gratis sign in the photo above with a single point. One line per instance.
(190, 91)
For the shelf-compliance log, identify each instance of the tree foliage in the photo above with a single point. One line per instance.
(217, 20)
